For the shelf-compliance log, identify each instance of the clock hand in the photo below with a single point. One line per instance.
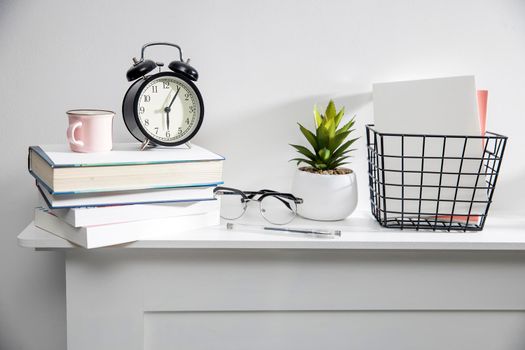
(168, 109)
(174, 97)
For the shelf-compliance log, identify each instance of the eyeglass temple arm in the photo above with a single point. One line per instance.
(234, 190)
(277, 195)
(281, 194)
(263, 193)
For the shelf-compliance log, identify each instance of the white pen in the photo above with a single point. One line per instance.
(318, 233)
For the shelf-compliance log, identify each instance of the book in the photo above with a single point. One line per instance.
(482, 109)
(100, 199)
(108, 235)
(62, 171)
(482, 96)
(443, 106)
(78, 217)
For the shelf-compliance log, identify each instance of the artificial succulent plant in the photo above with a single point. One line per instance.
(330, 147)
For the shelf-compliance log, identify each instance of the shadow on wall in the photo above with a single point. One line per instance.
(264, 155)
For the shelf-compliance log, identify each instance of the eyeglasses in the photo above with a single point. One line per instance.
(276, 207)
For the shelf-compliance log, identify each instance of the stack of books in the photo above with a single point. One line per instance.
(102, 199)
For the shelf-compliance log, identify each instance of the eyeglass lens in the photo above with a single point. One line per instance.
(232, 205)
(278, 210)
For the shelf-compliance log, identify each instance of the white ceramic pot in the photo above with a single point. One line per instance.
(325, 197)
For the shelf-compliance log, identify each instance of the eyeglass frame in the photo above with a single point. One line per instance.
(249, 196)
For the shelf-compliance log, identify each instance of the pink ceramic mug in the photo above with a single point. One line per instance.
(90, 130)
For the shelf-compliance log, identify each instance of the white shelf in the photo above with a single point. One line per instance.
(360, 231)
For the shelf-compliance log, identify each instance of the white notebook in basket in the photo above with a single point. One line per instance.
(444, 106)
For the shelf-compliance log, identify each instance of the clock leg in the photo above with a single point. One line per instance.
(147, 144)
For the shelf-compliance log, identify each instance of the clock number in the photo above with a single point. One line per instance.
(180, 130)
(146, 122)
(166, 85)
(186, 96)
(154, 89)
(147, 98)
(168, 133)
(192, 109)
(156, 131)
(141, 110)
(188, 121)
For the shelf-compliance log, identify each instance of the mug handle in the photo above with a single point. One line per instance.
(71, 134)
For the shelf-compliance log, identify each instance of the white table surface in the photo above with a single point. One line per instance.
(360, 231)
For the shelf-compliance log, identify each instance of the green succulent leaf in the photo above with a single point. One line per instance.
(305, 152)
(339, 163)
(337, 140)
(331, 112)
(302, 160)
(345, 153)
(332, 129)
(343, 148)
(324, 153)
(327, 124)
(347, 126)
(339, 117)
(317, 117)
(329, 127)
(309, 136)
(322, 137)
(340, 160)
(320, 166)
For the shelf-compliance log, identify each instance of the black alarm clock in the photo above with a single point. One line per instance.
(164, 108)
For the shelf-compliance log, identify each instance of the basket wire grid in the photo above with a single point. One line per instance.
(399, 180)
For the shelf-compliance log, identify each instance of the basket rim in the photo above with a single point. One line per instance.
(492, 135)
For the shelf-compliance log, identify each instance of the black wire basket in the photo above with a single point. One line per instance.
(432, 182)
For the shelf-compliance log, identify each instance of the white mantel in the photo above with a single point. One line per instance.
(360, 231)
(372, 288)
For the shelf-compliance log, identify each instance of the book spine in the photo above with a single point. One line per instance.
(35, 151)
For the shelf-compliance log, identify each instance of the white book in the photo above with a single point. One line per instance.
(124, 168)
(97, 199)
(78, 217)
(444, 106)
(107, 235)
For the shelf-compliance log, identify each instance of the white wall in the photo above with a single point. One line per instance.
(262, 66)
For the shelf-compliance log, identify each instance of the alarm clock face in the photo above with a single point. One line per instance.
(169, 109)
